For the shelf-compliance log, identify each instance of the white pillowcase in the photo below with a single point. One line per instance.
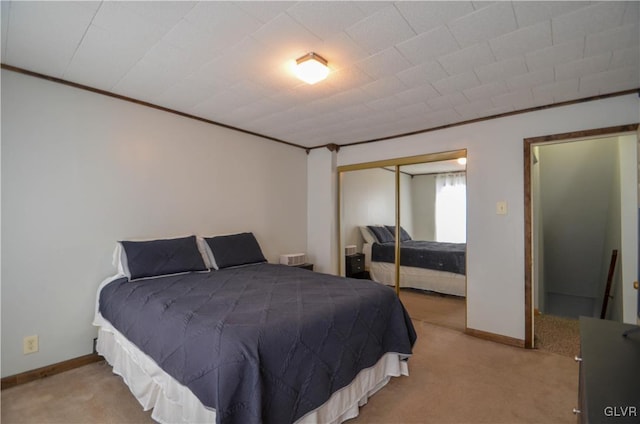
(206, 253)
(119, 260)
(366, 235)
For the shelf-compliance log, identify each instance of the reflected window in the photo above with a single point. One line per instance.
(451, 207)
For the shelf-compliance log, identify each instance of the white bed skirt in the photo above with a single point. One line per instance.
(174, 403)
(419, 278)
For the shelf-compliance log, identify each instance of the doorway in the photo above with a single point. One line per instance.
(567, 258)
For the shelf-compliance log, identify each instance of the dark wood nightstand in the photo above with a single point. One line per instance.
(305, 266)
(354, 266)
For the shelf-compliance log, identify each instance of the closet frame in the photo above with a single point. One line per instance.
(396, 163)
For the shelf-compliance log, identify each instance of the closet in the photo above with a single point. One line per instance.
(397, 198)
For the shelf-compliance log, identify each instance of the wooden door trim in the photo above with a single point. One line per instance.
(529, 143)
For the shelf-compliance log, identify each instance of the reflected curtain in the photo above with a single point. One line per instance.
(451, 207)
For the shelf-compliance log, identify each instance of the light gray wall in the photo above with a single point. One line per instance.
(322, 188)
(628, 157)
(423, 189)
(576, 181)
(81, 171)
(612, 240)
(538, 235)
(406, 203)
(368, 198)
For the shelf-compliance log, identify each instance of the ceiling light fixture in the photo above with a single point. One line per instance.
(462, 161)
(311, 68)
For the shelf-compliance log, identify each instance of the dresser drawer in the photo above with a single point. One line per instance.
(609, 369)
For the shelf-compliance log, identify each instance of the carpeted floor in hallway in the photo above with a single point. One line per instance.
(557, 334)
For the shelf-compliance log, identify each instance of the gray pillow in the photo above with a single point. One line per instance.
(162, 257)
(381, 234)
(404, 236)
(235, 249)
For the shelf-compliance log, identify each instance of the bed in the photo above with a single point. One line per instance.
(424, 265)
(239, 340)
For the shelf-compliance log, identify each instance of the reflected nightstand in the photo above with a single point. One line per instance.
(354, 266)
(305, 266)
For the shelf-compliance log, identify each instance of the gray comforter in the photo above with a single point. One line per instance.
(450, 257)
(261, 343)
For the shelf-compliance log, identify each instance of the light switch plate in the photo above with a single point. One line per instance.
(501, 207)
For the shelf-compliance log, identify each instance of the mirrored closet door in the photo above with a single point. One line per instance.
(403, 224)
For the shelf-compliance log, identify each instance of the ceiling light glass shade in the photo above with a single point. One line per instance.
(311, 68)
(462, 161)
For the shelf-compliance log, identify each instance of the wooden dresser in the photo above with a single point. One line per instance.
(609, 390)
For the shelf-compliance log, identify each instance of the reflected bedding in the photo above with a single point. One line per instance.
(450, 257)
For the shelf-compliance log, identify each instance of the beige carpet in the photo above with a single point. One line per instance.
(552, 334)
(556, 334)
(447, 311)
(454, 378)
(89, 394)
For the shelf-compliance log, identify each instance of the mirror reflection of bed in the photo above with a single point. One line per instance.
(432, 205)
(432, 274)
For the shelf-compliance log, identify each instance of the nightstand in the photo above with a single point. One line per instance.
(305, 266)
(354, 266)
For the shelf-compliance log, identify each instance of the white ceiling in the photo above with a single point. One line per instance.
(397, 67)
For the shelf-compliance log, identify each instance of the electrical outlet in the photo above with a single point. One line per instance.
(501, 207)
(30, 344)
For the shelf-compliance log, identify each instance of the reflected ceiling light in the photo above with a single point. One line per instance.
(462, 161)
(311, 68)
